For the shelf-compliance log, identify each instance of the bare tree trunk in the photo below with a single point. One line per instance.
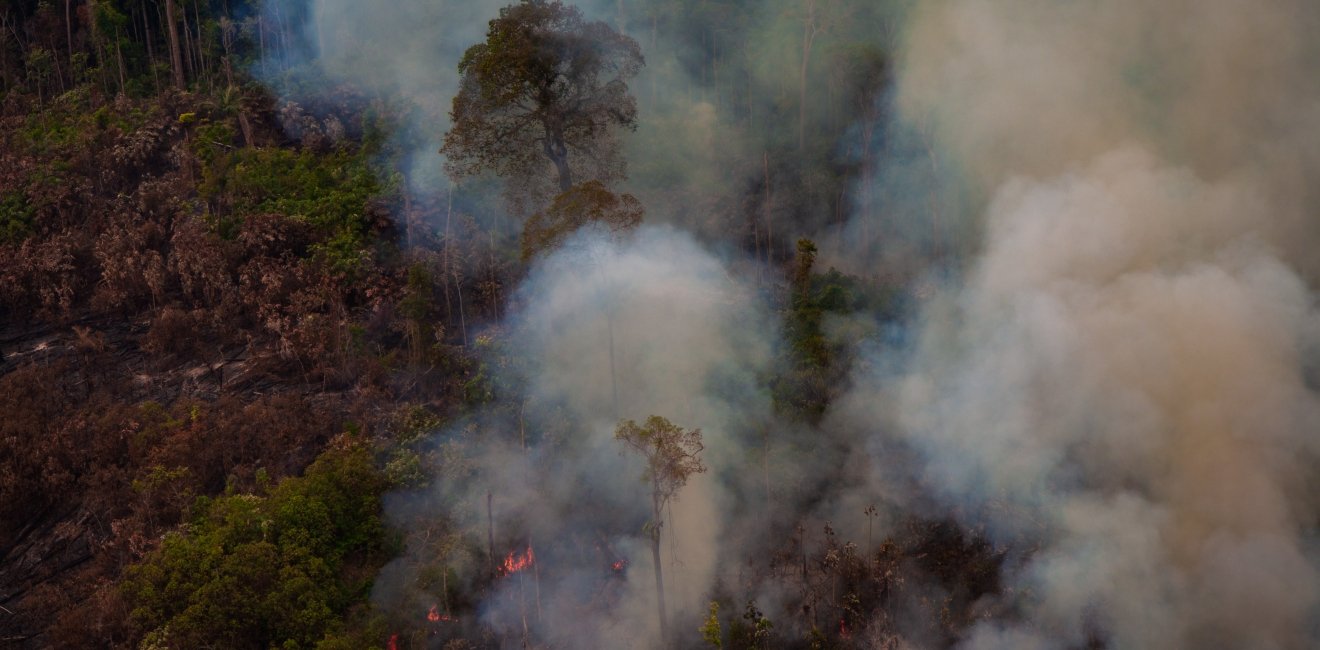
(492, 276)
(4, 52)
(55, 61)
(868, 129)
(176, 57)
(614, 380)
(769, 216)
(522, 610)
(68, 29)
(282, 31)
(809, 31)
(119, 58)
(554, 148)
(756, 242)
(201, 54)
(655, 29)
(151, 53)
(565, 174)
(931, 196)
(536, 573)
(261, 41)
(449, 214)
(490, 531)
(189, 56)
(659, 574)
(409, 222)
(462, 317)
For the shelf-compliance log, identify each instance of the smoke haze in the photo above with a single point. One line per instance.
(1121, 380)
(1113, 373)
(663, 320)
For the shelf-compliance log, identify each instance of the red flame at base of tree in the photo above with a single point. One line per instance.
(516, 562)
(435, 616)
(619, 565)
(394, 642)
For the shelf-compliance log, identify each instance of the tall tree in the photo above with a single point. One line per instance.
(546, 87)
(672, 455)
(176, 56)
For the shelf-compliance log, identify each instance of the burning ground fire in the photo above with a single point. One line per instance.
(435, 616)
(515, 562)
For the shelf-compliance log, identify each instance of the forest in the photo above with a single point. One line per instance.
(746, 324)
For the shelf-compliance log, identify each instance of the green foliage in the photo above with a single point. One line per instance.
(405, 467)
(479, 389)
(265, 571)
(418, 301)
(15, 218)
(815, 362)
(544, 82)
(69, 122)
(672, 453)
(212, 140)
(160, 478)
(329, 192)
(48, 132)
(803, 263)
(710, 629)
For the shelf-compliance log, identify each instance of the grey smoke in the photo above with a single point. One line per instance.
(1120, 382)
(688, 343)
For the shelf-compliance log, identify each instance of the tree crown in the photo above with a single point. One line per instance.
(548, 83)
(672, 453)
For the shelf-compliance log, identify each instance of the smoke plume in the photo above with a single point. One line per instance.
(1113, 374)
(610, 330)
(1122, 386)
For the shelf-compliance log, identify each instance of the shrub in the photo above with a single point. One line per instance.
(265, 570)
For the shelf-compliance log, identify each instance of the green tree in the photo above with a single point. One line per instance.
(672, 455)
(544, 83)
(279, 570)
(710, 629)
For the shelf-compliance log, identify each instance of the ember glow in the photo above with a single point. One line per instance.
(436, 616)
(394, 642)
(515, 562)
(619, 565)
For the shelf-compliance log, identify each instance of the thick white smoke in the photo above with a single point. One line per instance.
(1121, 389)
(409, 51)
(688, 344)
(660, 322)
(1122, 386)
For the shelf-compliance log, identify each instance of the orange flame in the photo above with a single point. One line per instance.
(435, 616)
(394, 642)
(619, 565)
(515, 562)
